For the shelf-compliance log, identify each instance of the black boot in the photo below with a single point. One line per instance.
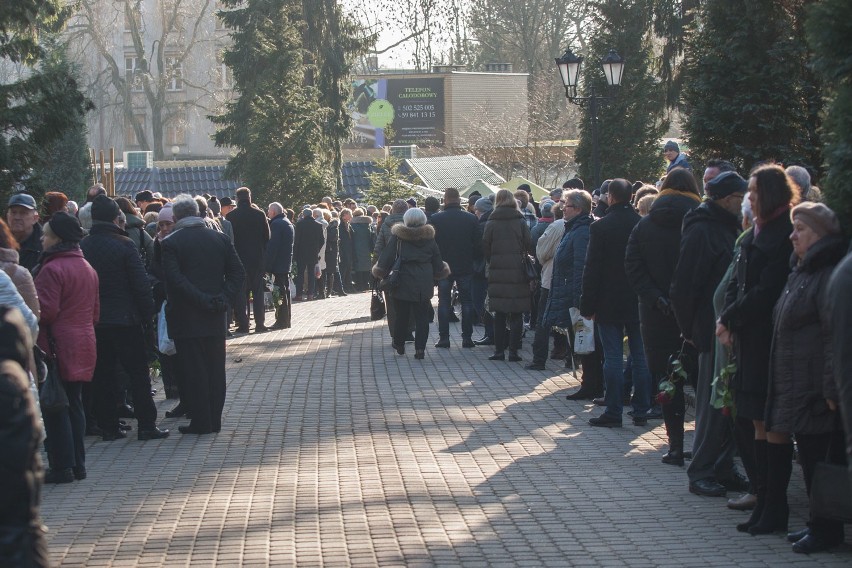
(779, 459)
(674, 429)
(759, 481)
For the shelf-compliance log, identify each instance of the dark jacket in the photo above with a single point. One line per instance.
(539, 229)
(30, 249)
(801, 375)
(203, 274)
(479, 254)
(332, 245)
(458, 237)
(421, 262)
(568, 264)
(506, 239)
(759, 277)
(347, 253)
(706, 251)
(607, 294)
(383, 234)
(135, 229)
(649, 263)
(837, 305)
(123, 287)
(279, 250)
(363, 239)
(308, 241)
(251, 233)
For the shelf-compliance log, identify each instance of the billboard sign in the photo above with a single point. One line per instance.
(397, 111)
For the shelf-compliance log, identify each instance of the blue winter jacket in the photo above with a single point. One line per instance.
(567, 283)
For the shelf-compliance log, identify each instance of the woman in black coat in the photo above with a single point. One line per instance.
(421, 265)
(759, 275)
(803, 396)
(505, 241)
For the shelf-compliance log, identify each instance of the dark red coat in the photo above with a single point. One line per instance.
(67, 289)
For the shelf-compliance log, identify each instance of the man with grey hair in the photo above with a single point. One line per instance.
(203, 274)
(802, 179)
(277, 260)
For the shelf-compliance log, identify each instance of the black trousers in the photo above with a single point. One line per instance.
(813, 449)
(513, 341)
(201, 360)
(253, 284)
(66, 430)
(404, 310)
(283, 310)
(121, 345)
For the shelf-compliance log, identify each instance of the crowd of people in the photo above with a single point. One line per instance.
(731, 286)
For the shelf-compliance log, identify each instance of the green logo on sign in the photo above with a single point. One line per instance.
(380, 113)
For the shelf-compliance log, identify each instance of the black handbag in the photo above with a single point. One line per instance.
(377, 304)
(391, 281)
(831, 493)
(51, 395)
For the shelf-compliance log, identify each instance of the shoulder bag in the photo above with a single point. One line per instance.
(377, 303)
(52, 396)
(391, 281)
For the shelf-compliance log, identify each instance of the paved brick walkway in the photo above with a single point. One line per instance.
(336, 451)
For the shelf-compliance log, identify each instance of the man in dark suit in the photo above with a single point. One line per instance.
(307, 244)
(609, 300)
(203, 274)
(278, 259)
(251, 233)
(458, 238)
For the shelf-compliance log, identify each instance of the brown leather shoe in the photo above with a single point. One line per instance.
(745, 502)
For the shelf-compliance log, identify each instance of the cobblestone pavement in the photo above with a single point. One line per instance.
(336, 451)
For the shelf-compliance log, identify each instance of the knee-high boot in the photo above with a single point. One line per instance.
(674, 429)
(779, 458)
(759, 482)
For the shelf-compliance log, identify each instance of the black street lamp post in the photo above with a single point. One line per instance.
(569, 71)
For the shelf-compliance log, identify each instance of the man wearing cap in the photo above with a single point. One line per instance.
(227, 205)
(603, 200)
(22, 218)
(126, 302)
(676, 158)
(458, 239)
(706, 251)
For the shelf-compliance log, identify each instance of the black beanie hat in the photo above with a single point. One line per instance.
(104, 209)
(724, 185)
(66, 227)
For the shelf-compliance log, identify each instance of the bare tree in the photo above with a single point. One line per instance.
(150, 60)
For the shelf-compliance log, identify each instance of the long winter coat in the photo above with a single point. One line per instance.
(801, 375)
(332, 245)
(68, 289)
(362, 243)
(566, 285)
(706, 252)
(760, 275)
(203, 273)
(506, 239)
(21, 277)
(837, 305)
(421, 262)
(545, 250)
(384, 234)
(347, 253)
(606, 291)
(124, 288)
(251, 233)
(308, 241)
(649, 262)
(278, 256)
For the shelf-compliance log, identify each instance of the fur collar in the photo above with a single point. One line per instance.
(423, 232)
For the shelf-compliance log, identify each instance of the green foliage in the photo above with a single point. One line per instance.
(747, 96)
(44, 103)
(289, 118)
(829, 27)
(386, 185)
(631, 124)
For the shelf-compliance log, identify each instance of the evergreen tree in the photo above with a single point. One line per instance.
(37, 109)
(829, 27)
(745, 95)
(386, 183)
(631, 123)
(276, 124)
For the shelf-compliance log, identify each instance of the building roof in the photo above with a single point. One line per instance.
(484, 189)
(355, 178)
(538, 192)
(170, 182)
(452, 171)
